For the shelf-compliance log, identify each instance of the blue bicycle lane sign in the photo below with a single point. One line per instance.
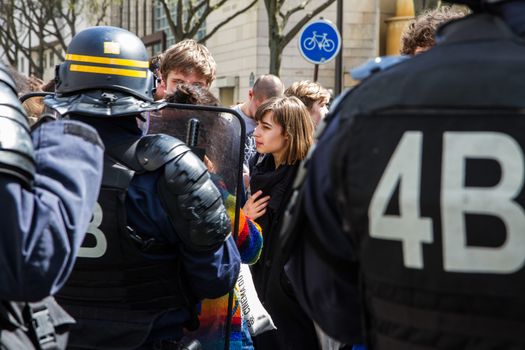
(319, 41)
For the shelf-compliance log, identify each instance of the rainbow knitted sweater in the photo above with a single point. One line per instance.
(214, 312)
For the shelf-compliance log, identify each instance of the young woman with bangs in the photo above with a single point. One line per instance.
(283, 135)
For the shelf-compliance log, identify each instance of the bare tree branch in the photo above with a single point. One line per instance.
(30, 28)
(297, 27)
(286, 16)
(277, 22)
(191, 15)
(221, 24)
(201, 7)
(102, 11)
(179, 20)
(169, 17)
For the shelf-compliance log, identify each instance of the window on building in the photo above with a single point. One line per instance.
(161, 22)
(157, 48)
(51, 59)
(226, 95)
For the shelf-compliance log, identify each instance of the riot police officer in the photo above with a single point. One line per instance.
(160, 237)
(49, 181)
(413, 231)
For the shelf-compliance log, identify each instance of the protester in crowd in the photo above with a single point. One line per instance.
(214, 312)
(283, 135)
(264, 88)
(160, 238)
(408, 228)
(154, 66)
(34, 107)
(24, 85)
(314, 96)
(187, 62)
(49, 182)
(420, 34)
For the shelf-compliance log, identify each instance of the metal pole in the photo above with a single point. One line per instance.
(316, 72)
(339, 58)
(30, 70)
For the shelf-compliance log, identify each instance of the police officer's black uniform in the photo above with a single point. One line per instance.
(49, 181)
(426, 200)
(160, 236)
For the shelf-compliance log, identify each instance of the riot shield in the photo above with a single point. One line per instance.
(216, 135)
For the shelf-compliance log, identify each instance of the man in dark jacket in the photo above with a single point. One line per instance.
(49, 181)
(160, 237)
(415, 224)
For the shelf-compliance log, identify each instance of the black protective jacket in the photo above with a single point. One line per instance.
(294, 329)
(408, 152)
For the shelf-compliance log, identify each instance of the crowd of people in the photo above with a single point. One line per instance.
(114, 274)
(131, 206)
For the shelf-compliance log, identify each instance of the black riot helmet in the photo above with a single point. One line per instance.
(105, 73)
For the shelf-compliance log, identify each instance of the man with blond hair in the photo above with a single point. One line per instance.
(314, 96)
(187, 62)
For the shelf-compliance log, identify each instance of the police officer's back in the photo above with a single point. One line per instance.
(49, 181)
(159, 241)
(421, 224)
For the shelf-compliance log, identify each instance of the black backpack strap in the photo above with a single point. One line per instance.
(41, 327)
(47, 324)
(30, 326)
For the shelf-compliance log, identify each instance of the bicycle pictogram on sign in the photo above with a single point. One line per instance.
(319, 42)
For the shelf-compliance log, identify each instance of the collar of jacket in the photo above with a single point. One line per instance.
(475, 27)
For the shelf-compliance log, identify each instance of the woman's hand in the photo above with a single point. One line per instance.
(209, 164)
(255, 206)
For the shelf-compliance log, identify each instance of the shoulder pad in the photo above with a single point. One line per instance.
(192, 201)
(5, 77)
(154, 151)
(16, 146)
(194, 204)
(375, 65)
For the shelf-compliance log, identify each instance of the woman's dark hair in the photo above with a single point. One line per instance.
(293, 116)
(193, 95)
(216, 138)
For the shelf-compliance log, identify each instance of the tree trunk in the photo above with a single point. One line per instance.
(275, 56)
(39, 70)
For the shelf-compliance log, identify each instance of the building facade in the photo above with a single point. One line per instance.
(240, 47)
(81, 17)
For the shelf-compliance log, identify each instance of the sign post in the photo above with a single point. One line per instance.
(319, 42)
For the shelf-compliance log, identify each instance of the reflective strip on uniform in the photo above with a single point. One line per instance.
(107, 70)
(107, 60)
